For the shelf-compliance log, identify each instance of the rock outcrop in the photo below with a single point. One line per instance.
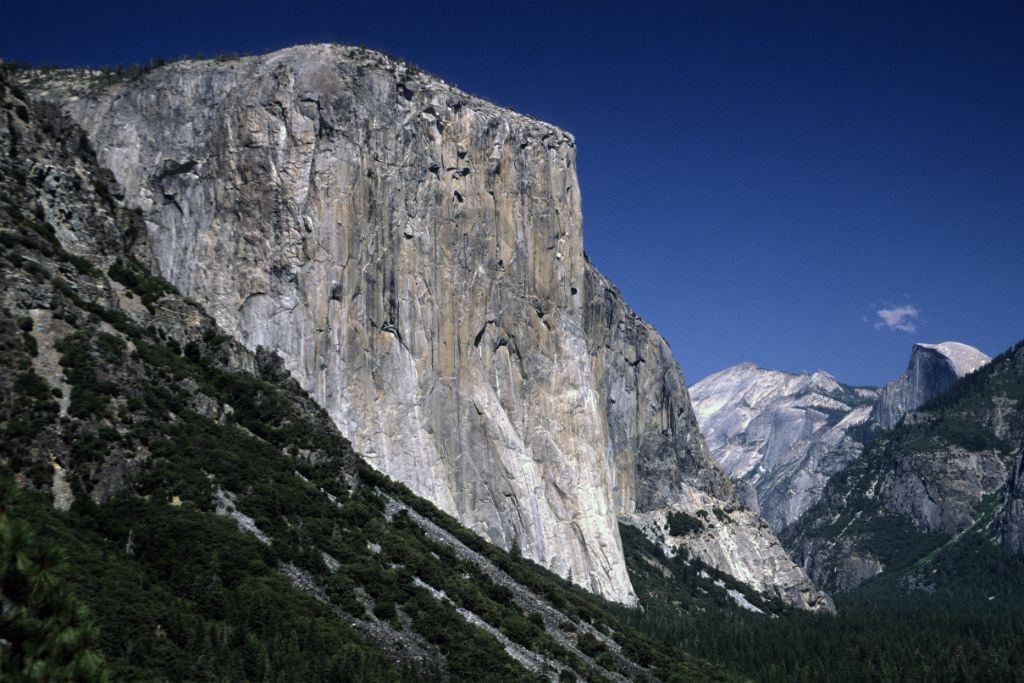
(940, 488)
(735, 540)
(932, 370)
(415, 256)
(1011, 518)
(125, 407)
(780, 436)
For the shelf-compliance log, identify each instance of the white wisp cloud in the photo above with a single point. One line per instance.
(902, 318)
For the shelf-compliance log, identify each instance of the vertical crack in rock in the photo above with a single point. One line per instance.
(450, 323)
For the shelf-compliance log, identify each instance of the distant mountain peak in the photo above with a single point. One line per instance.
(780, 435)
(761, 423)
(965, 358)
(932, 370)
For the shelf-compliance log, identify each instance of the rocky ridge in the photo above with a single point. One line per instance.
(932, 370)
(946, 469)
(782, 436)
(735, 540)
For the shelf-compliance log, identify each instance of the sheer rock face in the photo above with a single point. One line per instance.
(653, 437)
(780, 436)
(940, 489)
(932, 370)
(415, 255)
(1011, 518)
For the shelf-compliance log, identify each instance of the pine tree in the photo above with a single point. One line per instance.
(45, 632)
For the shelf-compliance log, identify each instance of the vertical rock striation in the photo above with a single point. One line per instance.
(653, 441)
(932, 370)
(1011, 517)
(415, 255)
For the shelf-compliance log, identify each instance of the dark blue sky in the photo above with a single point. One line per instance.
(760, 179)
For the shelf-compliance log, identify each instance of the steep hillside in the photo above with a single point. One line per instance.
(415, 256)
(945, 477)
(202, 516)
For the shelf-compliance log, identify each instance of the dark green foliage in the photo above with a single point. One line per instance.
(589, 645)
(82, 265)
(25, 412)
(192, 352)
(883, 631)
(681, 523)
(133, 276)
(908, 638)
(183, 595)
(31, 346)
(47, 632)
(90, 395)
(949, 430)
(27, 409)
(471, 654)
(32, 386)
(110, 347)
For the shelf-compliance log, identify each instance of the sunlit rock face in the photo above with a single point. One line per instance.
(737, 541)
(415, 256)
(932, 370)
(780, 436)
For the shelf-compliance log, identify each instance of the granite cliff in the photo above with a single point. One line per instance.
(415, 256)
(932, 370)
(174, 507)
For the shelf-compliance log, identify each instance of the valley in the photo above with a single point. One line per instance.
(307, 376)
